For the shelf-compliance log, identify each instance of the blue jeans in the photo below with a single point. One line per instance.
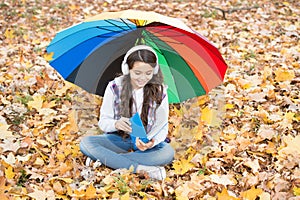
(113, 151)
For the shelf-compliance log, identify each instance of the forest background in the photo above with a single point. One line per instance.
(239, 142)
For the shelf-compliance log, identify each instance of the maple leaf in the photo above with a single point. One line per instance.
(10, 145)
(292, 146)
(210, 117)
(9, 173)
(36, 103)
(224, 195)
(182, 166)
(9, 33)
(296, 191)
(42, 194)
(10, 159)
(90, 192)
(284, 75)
(49, 56)
(125, 196)
(252, 193)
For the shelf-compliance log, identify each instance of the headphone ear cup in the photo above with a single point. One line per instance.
(156, 68)
(125, 68)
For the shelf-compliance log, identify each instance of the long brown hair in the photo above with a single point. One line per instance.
(153, 90)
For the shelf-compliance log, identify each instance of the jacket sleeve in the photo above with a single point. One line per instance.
(107, 122)
(159, 130)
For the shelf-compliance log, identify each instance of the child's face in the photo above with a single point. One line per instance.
(140, 74)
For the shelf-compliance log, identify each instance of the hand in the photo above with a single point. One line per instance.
(143, 146)
(123, 124)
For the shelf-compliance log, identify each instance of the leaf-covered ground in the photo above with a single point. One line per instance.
(239, 142)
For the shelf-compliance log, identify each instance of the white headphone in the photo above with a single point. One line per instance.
(125, 67)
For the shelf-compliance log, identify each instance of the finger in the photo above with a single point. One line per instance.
(127, 121)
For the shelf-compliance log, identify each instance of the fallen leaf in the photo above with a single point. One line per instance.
(284, 75)
(49, 56)
(253, 164)
(5, 133)
(9, 172)
(36, 103)
(40, 194)
(225, 196)
(296, 191)
(210, 117)
(222, 179)
(10, 145)
(252, 193)
(125, 196)
(3, 188)
(292, 146)
(182, 166)
(90, 192)
(9, 33)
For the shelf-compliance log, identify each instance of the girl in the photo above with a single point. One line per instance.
(140, 89)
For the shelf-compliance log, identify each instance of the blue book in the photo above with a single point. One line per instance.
(138, 129)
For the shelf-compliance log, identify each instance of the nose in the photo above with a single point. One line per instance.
(143, 76)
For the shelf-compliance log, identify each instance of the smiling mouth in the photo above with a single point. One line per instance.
(141, 82)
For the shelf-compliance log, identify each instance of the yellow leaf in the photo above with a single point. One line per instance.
(252, 193)
(286, 3)
(9, 173)
(290, 116)
(36, 103)
(91, 192)
(247, 86)
(61, 157)
(284, 75)
(225, 196)
(296, 191)
(78, 193)
(182, 166)
(202, 100)
(209, 116)
(229, 106)
(125, 196)
(48, 56)
(63, 90)
(9, 33)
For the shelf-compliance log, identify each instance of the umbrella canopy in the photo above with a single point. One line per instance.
(89, 54)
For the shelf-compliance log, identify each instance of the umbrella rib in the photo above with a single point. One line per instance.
(164, 30)
(153, 37)
(115, 25)
(111, 22)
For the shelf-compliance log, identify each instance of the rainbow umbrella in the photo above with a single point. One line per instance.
(89, 54)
